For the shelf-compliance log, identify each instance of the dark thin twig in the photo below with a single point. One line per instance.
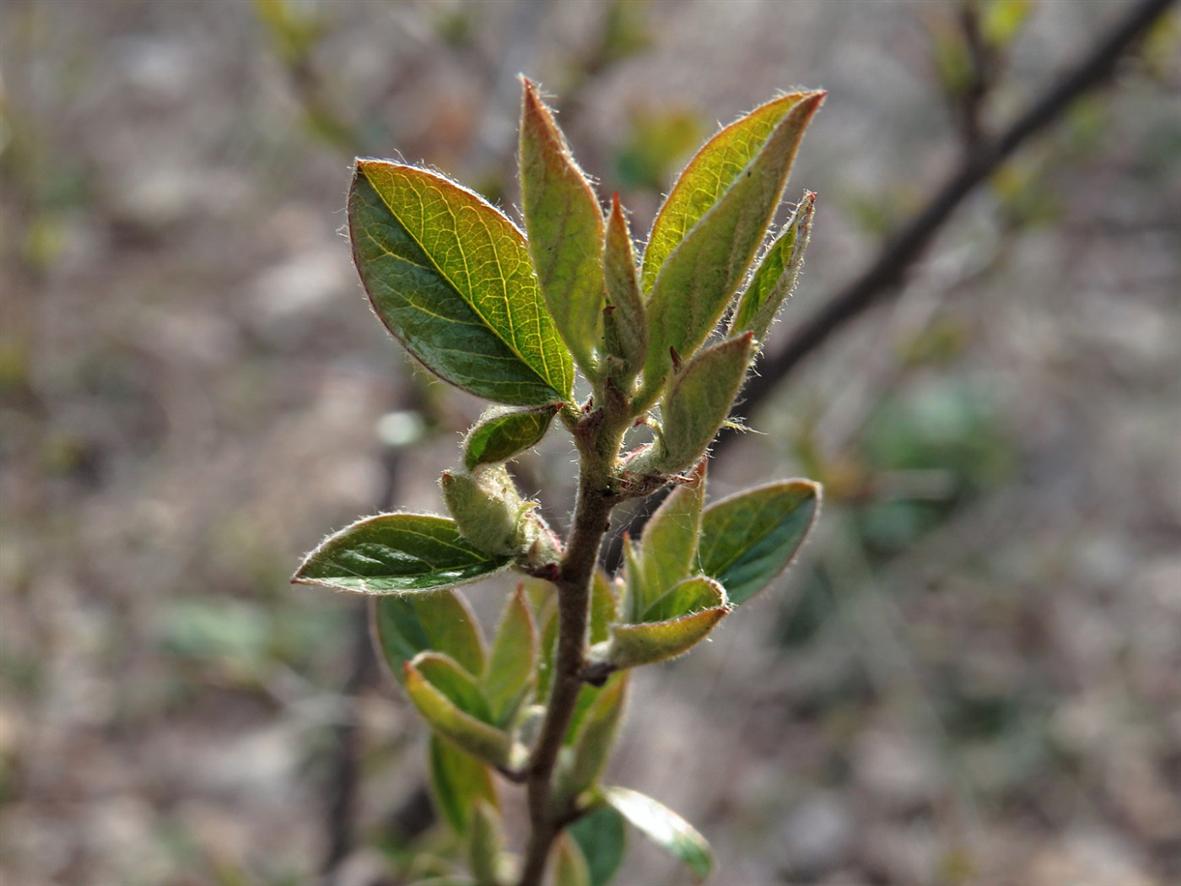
(884, 275)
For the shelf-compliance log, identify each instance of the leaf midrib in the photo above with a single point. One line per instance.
(511, 345)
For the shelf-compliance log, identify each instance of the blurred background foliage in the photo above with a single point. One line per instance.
(971, 677)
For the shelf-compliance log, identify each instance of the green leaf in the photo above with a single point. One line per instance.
(486, 845)
(686, 597)
(648, 642)
(501, 434)
(600, 835)
(548, 650)
(570, 867)
(449, 677)
(458, 781)
(625, 323)
(596, 735)
(777, 274)
(449, 275)
(699, 278)
(446, 717)
(396, 554)
(604, 608)
(487, 509)
(697, 402)
(668, 546)
(749, 538)
(713, 169)
(510, 671)
(664, 828)
(407, 624)
(565, 226)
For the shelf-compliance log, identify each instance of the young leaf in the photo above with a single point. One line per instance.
(715, 167)
(749, 538)
(604, 608)
(596, 736)
(668, 546)
(548, 650)
(446, 717)
(487, 509)
(777, 274)
(486, 845)
(625, 320)
(458, 782)
(637, 644)
(688, 596)
(406, 624)
(697, 402)
(450, 277)
(699, 278)
(445, 674)
(396, 554)
(601, 836)
(501, 434)
(510, 666)
(570, 867)
(664, 828)
(565, 227)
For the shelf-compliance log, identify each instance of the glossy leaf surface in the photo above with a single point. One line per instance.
(445, 716)
(396, 554)
(450, 277)
(407, 624)
(510, 665)
(776, 276)
(458, 781)
(749, 538)
(700, 277)
(664, 828)
(501, 434)
(713, 169)
(565, 226)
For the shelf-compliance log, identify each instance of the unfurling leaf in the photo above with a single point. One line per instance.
(642, 643)
(510, 671)
(407, 624)
(604, 607)
(486, 845)
(699, 278)
(570, 867)
(697, 402)
(445, 715)
(664, 828)
(596, 736)
(565, 226)
(458, 782)
(713, 169)
(777, 274)
(396, 554)
(625, 329)
(601, 836)
(749, 538)
(668, 546)
(501, 434)
(449, 677)
(487, 509)
(449, 275)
